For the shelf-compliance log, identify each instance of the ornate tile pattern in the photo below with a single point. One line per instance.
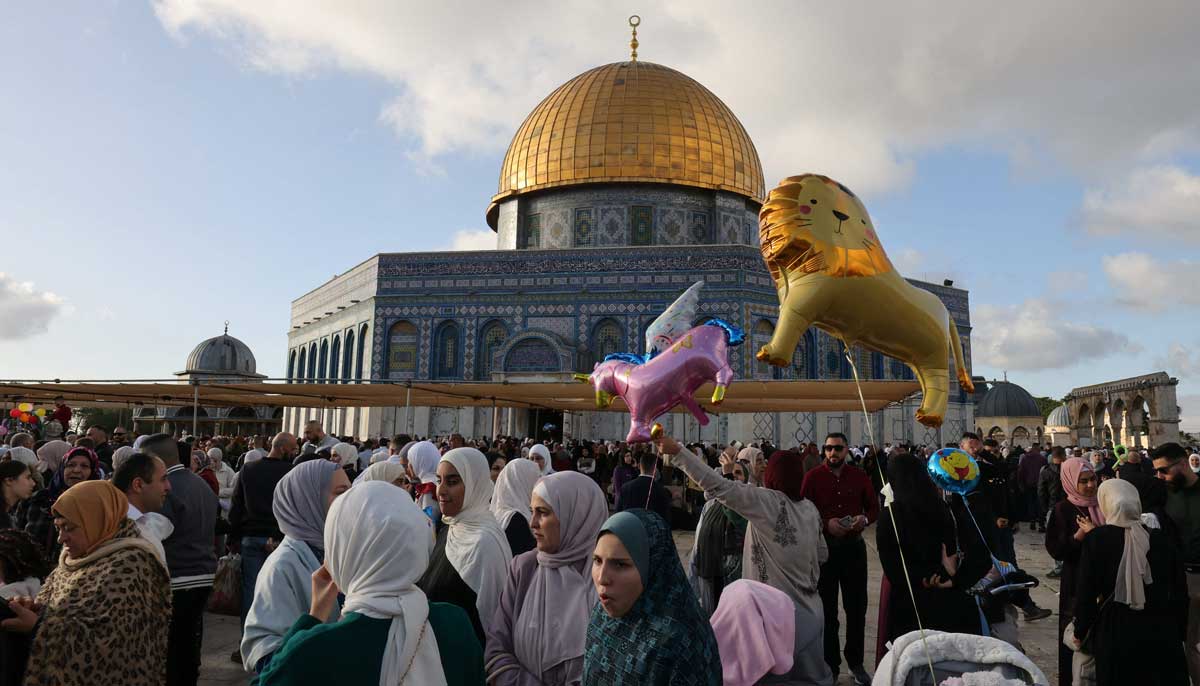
(612, 226)
(670, 228)
(557, 230)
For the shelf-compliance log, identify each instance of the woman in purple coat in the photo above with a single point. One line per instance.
(538, 632)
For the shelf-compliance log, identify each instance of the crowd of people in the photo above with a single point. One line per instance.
(516, 562)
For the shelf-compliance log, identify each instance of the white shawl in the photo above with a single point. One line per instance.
(514, 488)
(377, 545)
(475, 543)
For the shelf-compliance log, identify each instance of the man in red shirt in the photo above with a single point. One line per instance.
(847, 502)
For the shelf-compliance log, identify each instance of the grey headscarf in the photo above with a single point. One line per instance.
(299, 505)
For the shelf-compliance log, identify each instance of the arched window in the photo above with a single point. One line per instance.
(402, 351)
(804, 360)
(312, 362)
(836, 364)
(608, 337)
(447, 362)
(349, 358)
(763, 330)
(335, 356)
(291, 365)
(323, 365)
(300, 368)
(490, 341)
(362, 349)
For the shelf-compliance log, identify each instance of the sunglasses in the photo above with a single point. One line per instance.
(1164, 470)
(834, 448)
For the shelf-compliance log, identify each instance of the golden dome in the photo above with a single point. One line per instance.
(630, 122)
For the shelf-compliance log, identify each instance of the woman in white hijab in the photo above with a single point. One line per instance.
(423, 460)
(538, 633)
(1133, 598)
(510, 503)
(470, 561)
(376, 545)
(541, 455)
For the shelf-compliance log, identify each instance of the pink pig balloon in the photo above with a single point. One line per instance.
(652, 389)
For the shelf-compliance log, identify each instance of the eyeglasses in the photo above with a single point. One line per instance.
(834, 448)
(1164, 470)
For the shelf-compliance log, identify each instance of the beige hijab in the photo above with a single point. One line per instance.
(1122, 507)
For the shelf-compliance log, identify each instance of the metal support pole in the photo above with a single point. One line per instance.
(495, 420)
(408, 418)
(195, 406)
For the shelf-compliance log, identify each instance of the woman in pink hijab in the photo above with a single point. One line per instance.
(764, 637)
(1071, 520)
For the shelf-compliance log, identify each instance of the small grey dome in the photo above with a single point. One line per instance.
(1059, 416)
(1007, 399)
(222, 355)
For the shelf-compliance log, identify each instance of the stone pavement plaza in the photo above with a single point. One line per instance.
(1039, 638)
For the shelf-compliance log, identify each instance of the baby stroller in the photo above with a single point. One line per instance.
(958, 660)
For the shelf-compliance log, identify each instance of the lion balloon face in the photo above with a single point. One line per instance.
(813, 224)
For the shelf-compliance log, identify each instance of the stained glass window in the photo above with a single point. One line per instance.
(698, 228)
(322, 366)
(531, 355)
(584, 228)
(300, 367)
(494, 335)
(335, 356)
(312, 363)
(608, 337)
(641, 225)
(362, 349)
(347, 362)
(402, 351)
(763, 330)
(448, 364)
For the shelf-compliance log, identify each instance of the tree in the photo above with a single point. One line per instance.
(1046, 405)
(83, 417)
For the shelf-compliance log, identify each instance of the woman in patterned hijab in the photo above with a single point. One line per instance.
(648, 627)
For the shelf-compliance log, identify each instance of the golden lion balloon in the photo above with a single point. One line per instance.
(831, 272)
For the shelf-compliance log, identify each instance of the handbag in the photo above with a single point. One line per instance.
(226, 597)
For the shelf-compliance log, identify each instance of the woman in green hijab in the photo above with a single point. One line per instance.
(648, 627)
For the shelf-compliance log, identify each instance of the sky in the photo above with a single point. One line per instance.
(175, 164)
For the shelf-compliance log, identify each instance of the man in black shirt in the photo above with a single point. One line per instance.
(645, 491)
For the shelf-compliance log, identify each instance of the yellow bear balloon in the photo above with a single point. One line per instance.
(831, 272)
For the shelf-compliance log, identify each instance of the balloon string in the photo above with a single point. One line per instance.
(895, 526)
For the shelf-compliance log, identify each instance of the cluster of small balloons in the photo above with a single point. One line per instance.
(26, 414)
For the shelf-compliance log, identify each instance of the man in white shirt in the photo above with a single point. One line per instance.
(258, 450)
(143, 480)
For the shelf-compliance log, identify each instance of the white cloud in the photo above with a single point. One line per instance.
(1181, 361)
(1034, 335)
(24, 311)
(1160, 201)
(1143, 282)
(820, 87)
(908, 261)
(471, 239)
